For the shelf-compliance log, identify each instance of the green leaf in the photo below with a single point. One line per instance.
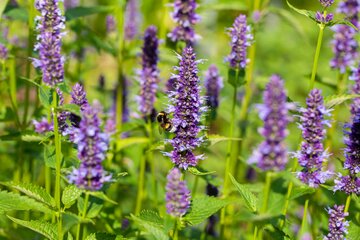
(152, 223)
(354, 230)
(12, 201)
(249, 198)
(45, 95)
(300, 191)
(102, 196)
(49, 156)
(196, 171)
(69, 236)
(104, 236)
(342, 21)
(307, 13)
(214, 139)
(126, 142)
(236, 77)
(20, 14)
(46, 229)
(78, 12)
(33, 191)
(73, 108)
(334, 100)
(203, 207)
(2, 6)
(31, 138)
(70, 194)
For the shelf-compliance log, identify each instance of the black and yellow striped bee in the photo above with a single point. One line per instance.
(165, 122)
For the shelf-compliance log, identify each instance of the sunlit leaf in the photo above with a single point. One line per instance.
(249, 198)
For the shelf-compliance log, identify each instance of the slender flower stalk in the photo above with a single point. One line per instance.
(187, 110)
(271, 154)
(312, 154)
(149, 74)
(132, 16)
(185, 17)
(337, 223)
(50, 26)
(177, 194)
(213, 85)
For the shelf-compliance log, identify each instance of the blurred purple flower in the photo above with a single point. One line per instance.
(355, 105)
(326, 3)
(70, 4)
(324, 17)
(92, 146)
(50, 24)
(337, 223)
(132, 16)
(185, 17)
(344, 43)
(187, 110)
(78, 96)
(110, 23)
(3, 52)
(177, 194)
(42, 126)
(213, 85)
(271, 154)
(312, 154)
(240, 40)
(149, 74)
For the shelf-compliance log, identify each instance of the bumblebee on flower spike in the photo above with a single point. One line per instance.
(164, 122)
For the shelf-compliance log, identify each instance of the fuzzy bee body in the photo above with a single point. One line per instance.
(165, 122)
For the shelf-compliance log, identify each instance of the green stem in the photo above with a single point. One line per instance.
(47, 176)
(347, 205)
(140, 191)
(304, 218)
(228, 163)
(12, 89)
(58, 162)
(150, 158)
(316, 57)
(255, 233)
(266, 192)
(83, 215)
(175, 232)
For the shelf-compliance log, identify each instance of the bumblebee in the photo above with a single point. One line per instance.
(165, 122)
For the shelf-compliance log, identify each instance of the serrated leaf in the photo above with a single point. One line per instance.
(151, 225)
(2, 6)
(151, 216)
(196, 171)
(214, 139)
(203, 207)
(73, 108)
(126, 142)
(307, 13)
(300, 191)
(78, 12)
(102, 196)
(249, 198)
(12, 201)
(70, 194)
(33, 191)
(46, 229)
(335, 100)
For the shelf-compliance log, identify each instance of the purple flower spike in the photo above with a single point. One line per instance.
(312, 154)
(177, 194)
(92, 146)
(344, 43)
(326, 3)
(185, 17)
(187, 110)
(3, 52)
(271, 154)
(50, 24)
(323, 17)
(149, 74)
(132, 16)
(240, 40)
(110, 23)
(42, 126)
(78, 96)
(355, 105)
(213, 85)
(337, 223)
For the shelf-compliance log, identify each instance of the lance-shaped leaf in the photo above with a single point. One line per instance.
(249, 198)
